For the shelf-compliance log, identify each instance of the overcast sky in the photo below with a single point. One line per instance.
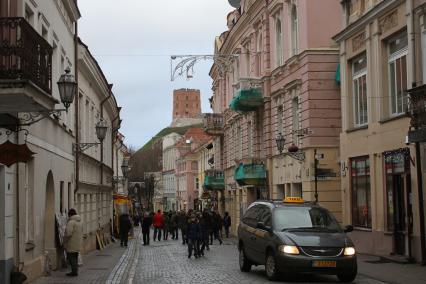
(133, 40)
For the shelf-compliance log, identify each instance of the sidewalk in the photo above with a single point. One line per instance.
(107, 266)
(384, 270)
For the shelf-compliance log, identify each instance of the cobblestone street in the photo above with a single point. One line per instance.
(167, 262)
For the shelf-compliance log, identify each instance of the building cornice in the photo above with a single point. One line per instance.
(376, 12)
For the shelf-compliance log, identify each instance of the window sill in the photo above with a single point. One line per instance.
(362, 229)
(356, 128)
(396, 117)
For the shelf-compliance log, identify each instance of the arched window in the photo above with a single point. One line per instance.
(278, 42)
(259, 54)
(294, 31)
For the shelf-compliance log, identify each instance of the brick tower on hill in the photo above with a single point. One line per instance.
(186, 107)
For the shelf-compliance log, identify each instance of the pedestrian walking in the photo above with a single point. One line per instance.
(125, 227)
(166, 228)
(193, 233)
(227, 223)
(72, 240)
(216, 222)
(204, 231)
(146, 225)
(158, 223)
(183, 224)
(174, 225)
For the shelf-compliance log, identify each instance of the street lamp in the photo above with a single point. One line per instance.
(293, 150)
(101, 129)
(67, 88)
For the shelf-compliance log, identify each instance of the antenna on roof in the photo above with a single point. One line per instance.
(235, 3)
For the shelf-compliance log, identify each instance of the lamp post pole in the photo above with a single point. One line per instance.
(316, 174)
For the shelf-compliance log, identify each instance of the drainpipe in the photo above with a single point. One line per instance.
(102, 152)
(17, 242)
(77, 112)
(419, 173)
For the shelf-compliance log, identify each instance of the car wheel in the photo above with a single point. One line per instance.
(271, 267)
(347, 277)
(245, 265)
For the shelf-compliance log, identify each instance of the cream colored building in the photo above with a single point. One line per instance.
(33, 193)
(379, 58)
(93, 196)
(169, 169)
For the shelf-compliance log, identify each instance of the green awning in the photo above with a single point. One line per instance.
(216, 181)
(250, 174)
(247, 100)
(337, 75)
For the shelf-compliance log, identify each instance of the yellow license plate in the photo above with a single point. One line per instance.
(324, 263)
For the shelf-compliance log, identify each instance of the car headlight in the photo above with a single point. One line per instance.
(349, 251)
(289, 249)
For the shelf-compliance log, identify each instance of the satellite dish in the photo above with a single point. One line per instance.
(235, 3)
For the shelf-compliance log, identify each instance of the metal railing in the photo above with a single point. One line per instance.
(24, 54)
(417, 106)
(213, 121)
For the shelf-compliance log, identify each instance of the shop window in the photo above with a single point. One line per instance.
(361, 192)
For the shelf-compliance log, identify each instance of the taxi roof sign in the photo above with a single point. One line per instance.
(293, 200)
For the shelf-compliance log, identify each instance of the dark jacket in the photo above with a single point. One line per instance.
(125, 224)
(193, 231)
(227, 221)
(146, 223)
(174, 221)
(182, 221)
(204, 227)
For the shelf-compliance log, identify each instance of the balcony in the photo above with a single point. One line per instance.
(25, 68)
(245, 100)
(214, 180)
(213, 123)
(250, 174)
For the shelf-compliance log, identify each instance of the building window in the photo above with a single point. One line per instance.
(250, 139)
(294, 31)
(280, 128)
(259, 54)
(61, 197)
(239, 143)
(398, 49)
(359, 79)
(296, 119)
(248, 63)
(278, 43)
(197, 184)
(360, 186)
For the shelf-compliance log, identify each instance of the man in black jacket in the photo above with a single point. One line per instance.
(146, 225)
(125, 226)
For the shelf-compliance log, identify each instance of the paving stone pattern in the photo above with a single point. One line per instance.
(167, 262)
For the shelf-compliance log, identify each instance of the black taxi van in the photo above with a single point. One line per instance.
(293, 236)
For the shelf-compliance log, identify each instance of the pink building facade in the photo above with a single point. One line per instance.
(282, 82)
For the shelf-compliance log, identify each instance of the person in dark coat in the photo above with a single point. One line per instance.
(204, 231)
(193, 233)
(217, 223)
(174, 226)
(227, 223)
(166, 227)
(183, 224)
(125, 226)
(146, 225)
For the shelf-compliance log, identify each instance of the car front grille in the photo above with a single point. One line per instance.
(320, 251)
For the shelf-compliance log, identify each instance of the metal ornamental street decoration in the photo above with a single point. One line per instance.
(181, 65)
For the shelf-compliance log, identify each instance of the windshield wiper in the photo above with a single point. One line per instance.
(308, 229)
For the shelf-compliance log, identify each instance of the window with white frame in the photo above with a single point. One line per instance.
(294, 31)
(359, 83)
(278, 42)
(398, 49)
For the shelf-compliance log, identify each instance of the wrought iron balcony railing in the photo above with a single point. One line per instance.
(24, 54)
(213, 123)
(417, 106)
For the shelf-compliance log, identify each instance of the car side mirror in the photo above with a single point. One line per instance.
(262, 226)
(349, 228)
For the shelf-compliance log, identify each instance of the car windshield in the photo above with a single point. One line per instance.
(304, 219)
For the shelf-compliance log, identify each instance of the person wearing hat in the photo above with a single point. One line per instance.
(72, 240)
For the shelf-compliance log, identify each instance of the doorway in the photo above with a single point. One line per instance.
(49, 220)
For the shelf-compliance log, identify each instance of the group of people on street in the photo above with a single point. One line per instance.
(198, 229)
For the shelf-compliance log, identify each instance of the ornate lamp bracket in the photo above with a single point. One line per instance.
(81, 147)
(299, 155)
(181, 65)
